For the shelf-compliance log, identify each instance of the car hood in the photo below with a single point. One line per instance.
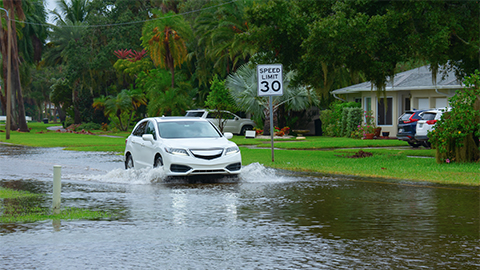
(196, 143)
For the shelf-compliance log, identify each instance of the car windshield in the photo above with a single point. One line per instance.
(194, 114)
(187, 129)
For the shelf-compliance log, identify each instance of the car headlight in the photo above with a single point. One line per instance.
(177, 151)
(232, 150)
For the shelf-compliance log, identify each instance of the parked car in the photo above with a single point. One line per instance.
(407, 124)
(183, 146)
(233, 123)
(427, 123)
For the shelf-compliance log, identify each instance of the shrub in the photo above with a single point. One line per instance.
(332, 118)
(89, 126)
(456, 135)
(354, 118)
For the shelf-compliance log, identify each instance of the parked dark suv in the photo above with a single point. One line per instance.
(407, 124)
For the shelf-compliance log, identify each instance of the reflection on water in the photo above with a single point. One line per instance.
(266, 219)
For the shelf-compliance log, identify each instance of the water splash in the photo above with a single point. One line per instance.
(252, 173)
(144, 176)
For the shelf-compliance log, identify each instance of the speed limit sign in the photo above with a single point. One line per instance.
(270, 80)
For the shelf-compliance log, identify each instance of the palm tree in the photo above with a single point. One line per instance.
(165, 38)
(218, 31)
(76, 11)
(243, 85)
(69, 18)
(15, 10)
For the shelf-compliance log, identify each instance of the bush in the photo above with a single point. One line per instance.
(89, 126)
(456, 135)
(334, 121)
(354, 119)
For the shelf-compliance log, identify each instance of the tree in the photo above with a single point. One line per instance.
(18, 108)
(456, 135)
(218, 32)
(165, 38)
(164, 100)
(220, 100)
(243, 86)
(373, 37)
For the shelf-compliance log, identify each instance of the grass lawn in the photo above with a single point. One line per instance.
(391, 159)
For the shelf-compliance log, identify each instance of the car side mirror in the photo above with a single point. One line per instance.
(148, 137)
(236, 118)
(228, 135)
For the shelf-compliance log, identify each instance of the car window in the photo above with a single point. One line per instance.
(187, 129)
(151, 130)
(428, 116)
(212, 115)
(140, 129)
(406, 116)
(417, 115)
(194, 114)
(229, 116)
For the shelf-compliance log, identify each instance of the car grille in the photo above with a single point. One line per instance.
(234, 167)
(207, 154)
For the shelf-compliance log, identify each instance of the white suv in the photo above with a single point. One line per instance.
(233, 123)
(427, 123)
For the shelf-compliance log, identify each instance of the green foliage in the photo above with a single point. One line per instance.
(334, 121)
(456, 136)
(89, 126)
(133, 68)
(164, 100)
(220, 97)
(354, 119)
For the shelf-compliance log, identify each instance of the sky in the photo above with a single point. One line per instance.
(49, 5)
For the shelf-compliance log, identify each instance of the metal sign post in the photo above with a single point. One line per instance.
(270, 83)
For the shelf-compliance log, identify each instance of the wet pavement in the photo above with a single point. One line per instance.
(267, 219)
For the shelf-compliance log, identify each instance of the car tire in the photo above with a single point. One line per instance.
(158, 161)
(414, 144)
(244, 129)
(129, 162)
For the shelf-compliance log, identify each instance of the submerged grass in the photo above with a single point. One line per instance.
(21, 206)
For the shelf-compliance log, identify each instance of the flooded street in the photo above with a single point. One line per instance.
(267, 219)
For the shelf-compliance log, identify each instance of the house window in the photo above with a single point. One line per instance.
(358, 100)
(368, 104)
(384, 113)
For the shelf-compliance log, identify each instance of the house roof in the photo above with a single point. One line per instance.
(414, 79)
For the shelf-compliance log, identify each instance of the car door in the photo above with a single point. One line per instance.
(137, 145)
(150, 148)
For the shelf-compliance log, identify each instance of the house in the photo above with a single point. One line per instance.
(412, 89)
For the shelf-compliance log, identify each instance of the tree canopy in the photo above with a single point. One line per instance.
(325, 45)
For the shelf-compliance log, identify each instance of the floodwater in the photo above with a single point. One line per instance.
(267, 219)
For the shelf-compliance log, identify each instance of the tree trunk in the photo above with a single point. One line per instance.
(266, 125)
(76, 112)
(16, 84)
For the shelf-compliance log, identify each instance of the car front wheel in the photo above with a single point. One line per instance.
(129, 162)
(158, 162)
